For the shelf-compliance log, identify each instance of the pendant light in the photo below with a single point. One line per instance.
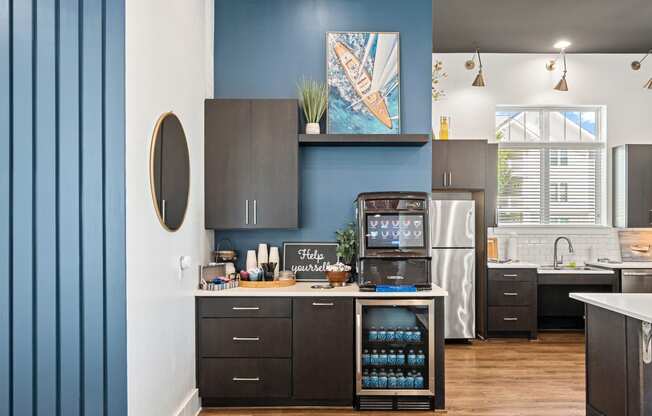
(551, 65)
(562, 85)
(470, 64)
(636, 65)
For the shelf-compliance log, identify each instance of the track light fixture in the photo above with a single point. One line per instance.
(636, 65)
(470, 64)
(551, 65)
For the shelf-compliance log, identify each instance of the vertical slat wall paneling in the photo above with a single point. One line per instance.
(115, 248)
(23, 208)
(69, 212)
(92, 210)
(62, 213)
(5, 208)
(45, 209)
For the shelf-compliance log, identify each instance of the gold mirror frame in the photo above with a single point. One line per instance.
(152, 187)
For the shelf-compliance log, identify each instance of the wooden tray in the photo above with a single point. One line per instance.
(265, 285)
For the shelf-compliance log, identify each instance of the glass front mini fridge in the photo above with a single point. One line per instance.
(395, 360)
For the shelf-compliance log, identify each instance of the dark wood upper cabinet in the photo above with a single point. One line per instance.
(632, 193)
(323, 349)
(251, 163)
(459, 164)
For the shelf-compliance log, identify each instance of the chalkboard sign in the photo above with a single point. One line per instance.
(308, 261)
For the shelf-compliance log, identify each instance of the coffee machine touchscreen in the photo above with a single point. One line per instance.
(395, 231)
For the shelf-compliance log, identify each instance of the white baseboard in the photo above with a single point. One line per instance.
(191, 406)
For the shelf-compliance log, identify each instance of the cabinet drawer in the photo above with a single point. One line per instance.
(245, 337)
(245, 307)
(511, 293)
(513, 275)
(510, 318)
(244, 377)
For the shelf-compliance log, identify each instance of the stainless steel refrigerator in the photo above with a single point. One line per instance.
(452, 231)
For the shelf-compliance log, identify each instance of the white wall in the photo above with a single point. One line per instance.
(168, 68)
(522, 79)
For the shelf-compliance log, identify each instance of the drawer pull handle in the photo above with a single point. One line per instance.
(510, 275)
(246, 378)
(323, 304)
(510, 319)
(245, 308)
(246, 338)
(510, 294)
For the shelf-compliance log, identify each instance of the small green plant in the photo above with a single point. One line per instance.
(313, 98)
(346, 243)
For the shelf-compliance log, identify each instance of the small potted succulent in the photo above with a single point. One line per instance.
(313, 98)
(337, 274)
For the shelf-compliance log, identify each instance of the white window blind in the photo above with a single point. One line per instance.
(550, 166)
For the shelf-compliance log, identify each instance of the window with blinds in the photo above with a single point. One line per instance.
(550, 166)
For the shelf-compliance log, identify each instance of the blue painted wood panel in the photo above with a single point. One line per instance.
(62, 213)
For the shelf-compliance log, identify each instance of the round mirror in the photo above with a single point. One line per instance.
(169, 166)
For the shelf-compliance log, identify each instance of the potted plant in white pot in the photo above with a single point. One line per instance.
(347, 245)
(313, 98)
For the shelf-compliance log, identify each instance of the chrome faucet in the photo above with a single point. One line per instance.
(555, 261)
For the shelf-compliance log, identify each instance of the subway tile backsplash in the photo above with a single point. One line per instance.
(537, 246)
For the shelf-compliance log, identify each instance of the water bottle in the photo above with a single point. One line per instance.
(392, 382)
(409, 381)
(391, 335)
(418, 381)
(400, 358)
(416, 334)
(391, 358)
(400, 381)
(373, 359)
(373, 380)
(412, 359)
(365, 379)
(421, 359)
(373, 334)
(382, 358)
(382, 334)
(366, 358)
(399, 335)
(407, 335)
(382, 379)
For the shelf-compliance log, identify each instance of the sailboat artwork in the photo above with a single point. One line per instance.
(363, 83)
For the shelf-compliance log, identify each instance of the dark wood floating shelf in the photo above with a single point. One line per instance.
(363, 139)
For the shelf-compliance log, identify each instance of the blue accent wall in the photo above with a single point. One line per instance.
(62, 208)
(263, 47)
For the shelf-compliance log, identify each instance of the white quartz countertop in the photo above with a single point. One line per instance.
(634, 305)
(303, 289)
(624, 265)
(544, 270)
(512, 265)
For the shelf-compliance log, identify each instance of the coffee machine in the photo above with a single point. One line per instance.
(393, 239)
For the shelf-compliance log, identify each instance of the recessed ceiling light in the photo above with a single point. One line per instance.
(562, 44)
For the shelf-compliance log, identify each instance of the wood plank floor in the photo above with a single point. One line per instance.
(495, 378)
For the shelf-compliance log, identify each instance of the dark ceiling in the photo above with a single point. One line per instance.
(530, 26)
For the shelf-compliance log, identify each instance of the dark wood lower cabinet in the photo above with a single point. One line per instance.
(323, 338)
(245, 377)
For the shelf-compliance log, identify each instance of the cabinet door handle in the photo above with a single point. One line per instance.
(323, 304)
(444, 179)
(247, 212)
(245, 308)
(246, 378)
(450, 178)
(246, 338)
(510, 294)
(255, 211)
(510, 275)
(510, 319)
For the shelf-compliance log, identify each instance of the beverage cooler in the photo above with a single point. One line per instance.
(395, 362)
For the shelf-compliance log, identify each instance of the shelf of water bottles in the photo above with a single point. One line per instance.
(391, 380)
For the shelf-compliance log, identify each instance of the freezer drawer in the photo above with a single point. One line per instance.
(454, 270)
(452, 223)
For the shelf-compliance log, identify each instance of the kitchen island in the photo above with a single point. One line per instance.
(299, 346)
(618, 353)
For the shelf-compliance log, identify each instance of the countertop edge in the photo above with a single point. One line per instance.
(303, 289)
(606, 302)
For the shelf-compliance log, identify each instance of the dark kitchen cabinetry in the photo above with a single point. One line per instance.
(323, 349)
(512, 302)
(251, 163)
(632, 176)
(459, 164)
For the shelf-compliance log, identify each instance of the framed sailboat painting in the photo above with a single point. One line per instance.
(364, 89)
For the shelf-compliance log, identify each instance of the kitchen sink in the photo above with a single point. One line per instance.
(569, 268)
